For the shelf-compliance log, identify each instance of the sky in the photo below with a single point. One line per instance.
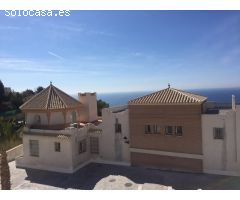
(121, 51)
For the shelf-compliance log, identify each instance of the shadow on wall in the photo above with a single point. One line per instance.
(87, 177)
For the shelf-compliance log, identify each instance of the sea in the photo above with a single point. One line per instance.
(219, 95)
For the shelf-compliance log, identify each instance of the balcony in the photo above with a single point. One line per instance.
(49, 127)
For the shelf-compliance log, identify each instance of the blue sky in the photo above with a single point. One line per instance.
(112, 51)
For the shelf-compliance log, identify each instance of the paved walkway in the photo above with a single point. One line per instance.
(103, 176)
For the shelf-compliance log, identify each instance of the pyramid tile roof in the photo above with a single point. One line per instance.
(169, 96)
(50, 98)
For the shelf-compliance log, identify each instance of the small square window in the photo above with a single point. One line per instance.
(178, 131)
(169, 130)
(218, 133)
(57, 146)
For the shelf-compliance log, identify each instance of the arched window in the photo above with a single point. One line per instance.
(37, 120)
(74, 117)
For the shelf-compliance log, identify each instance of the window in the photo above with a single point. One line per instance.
(149, 129)
(34, 148)
(82, 146)
(118, 127)
(156, 128)
(218, 133)
(74, 117)
(94, 147)
(169, 130)
(57, 146)
(178, 131)
(37, 120)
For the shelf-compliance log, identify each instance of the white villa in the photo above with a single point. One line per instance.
(63, 134)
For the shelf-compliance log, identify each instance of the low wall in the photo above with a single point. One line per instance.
(15, 152)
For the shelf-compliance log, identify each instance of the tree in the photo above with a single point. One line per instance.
(39, 89)
(6, 129)
(5, 172)
(100, 105)
(16, 99)
(2, 93)
(27, 94)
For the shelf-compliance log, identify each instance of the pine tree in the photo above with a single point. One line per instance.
(5, 173)
(1, 92)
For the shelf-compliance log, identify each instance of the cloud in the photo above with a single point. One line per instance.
(69, 28)
(103, 33)
(13, 65)
(10, 28)
(55, 55)
(137, 54)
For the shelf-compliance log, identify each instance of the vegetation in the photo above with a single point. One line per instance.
(100, 105)
(12, 100)
(10, 134)
(11, 118)
(5, 172)
(1, 92)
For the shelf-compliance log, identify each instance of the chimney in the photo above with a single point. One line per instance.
(233, 102)
(89, 109)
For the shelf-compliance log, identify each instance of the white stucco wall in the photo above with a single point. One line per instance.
(108, 139)
(80, 158)
(30, 116)
(212, 148)
(69, 116)
(237, 124)
(221, 156)
(56, 118)
(48, 159)
(69, 159)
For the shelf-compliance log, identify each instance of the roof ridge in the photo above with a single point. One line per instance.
(54, 88)
(35, 96)
(67, 95)
(169, 95)
(146, 95)
(48, 98)
(190, 94)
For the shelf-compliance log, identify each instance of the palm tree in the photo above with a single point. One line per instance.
(4, 171)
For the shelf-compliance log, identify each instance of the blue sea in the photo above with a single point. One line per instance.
(220, 95)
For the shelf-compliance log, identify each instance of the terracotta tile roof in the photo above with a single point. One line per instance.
(50, 98)
(169, 96)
